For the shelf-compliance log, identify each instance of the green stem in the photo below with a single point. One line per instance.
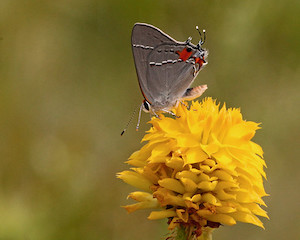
(206, 234)
(181, 234)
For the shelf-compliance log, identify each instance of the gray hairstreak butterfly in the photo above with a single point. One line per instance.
(165, 68)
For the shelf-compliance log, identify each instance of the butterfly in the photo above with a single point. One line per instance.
(166, 68)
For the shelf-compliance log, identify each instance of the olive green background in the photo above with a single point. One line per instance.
(68, 87)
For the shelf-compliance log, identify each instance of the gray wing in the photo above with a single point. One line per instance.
(144, 39)
(168, 76)
(162, 75)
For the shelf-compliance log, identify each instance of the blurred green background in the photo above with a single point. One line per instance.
(68, 87)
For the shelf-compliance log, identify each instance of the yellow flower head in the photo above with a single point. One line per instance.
(200, 170)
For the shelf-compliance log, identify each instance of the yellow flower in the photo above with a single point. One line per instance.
(200, 170)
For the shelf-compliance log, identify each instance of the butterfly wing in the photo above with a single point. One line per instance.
(170, 72)
(164, 67)
(144, 39)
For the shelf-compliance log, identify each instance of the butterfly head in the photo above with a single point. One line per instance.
(146, 106)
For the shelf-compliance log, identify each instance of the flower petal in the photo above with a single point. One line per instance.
(172, 184)
(162, 214)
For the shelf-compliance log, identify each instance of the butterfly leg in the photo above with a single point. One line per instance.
(155, 114)
(183, 103)
(173, 114)
(192, 93)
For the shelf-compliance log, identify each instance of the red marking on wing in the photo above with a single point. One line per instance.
(200, 61)
(184, 54)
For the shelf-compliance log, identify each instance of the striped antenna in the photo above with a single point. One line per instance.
(139, 119)
(132, 115)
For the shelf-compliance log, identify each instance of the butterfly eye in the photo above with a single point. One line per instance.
(188, 49)
(146, 106)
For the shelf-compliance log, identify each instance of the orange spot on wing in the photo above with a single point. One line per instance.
(184, 54)
(199, 61)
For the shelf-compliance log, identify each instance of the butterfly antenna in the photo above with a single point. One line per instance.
(128, 122)
(139, 119)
